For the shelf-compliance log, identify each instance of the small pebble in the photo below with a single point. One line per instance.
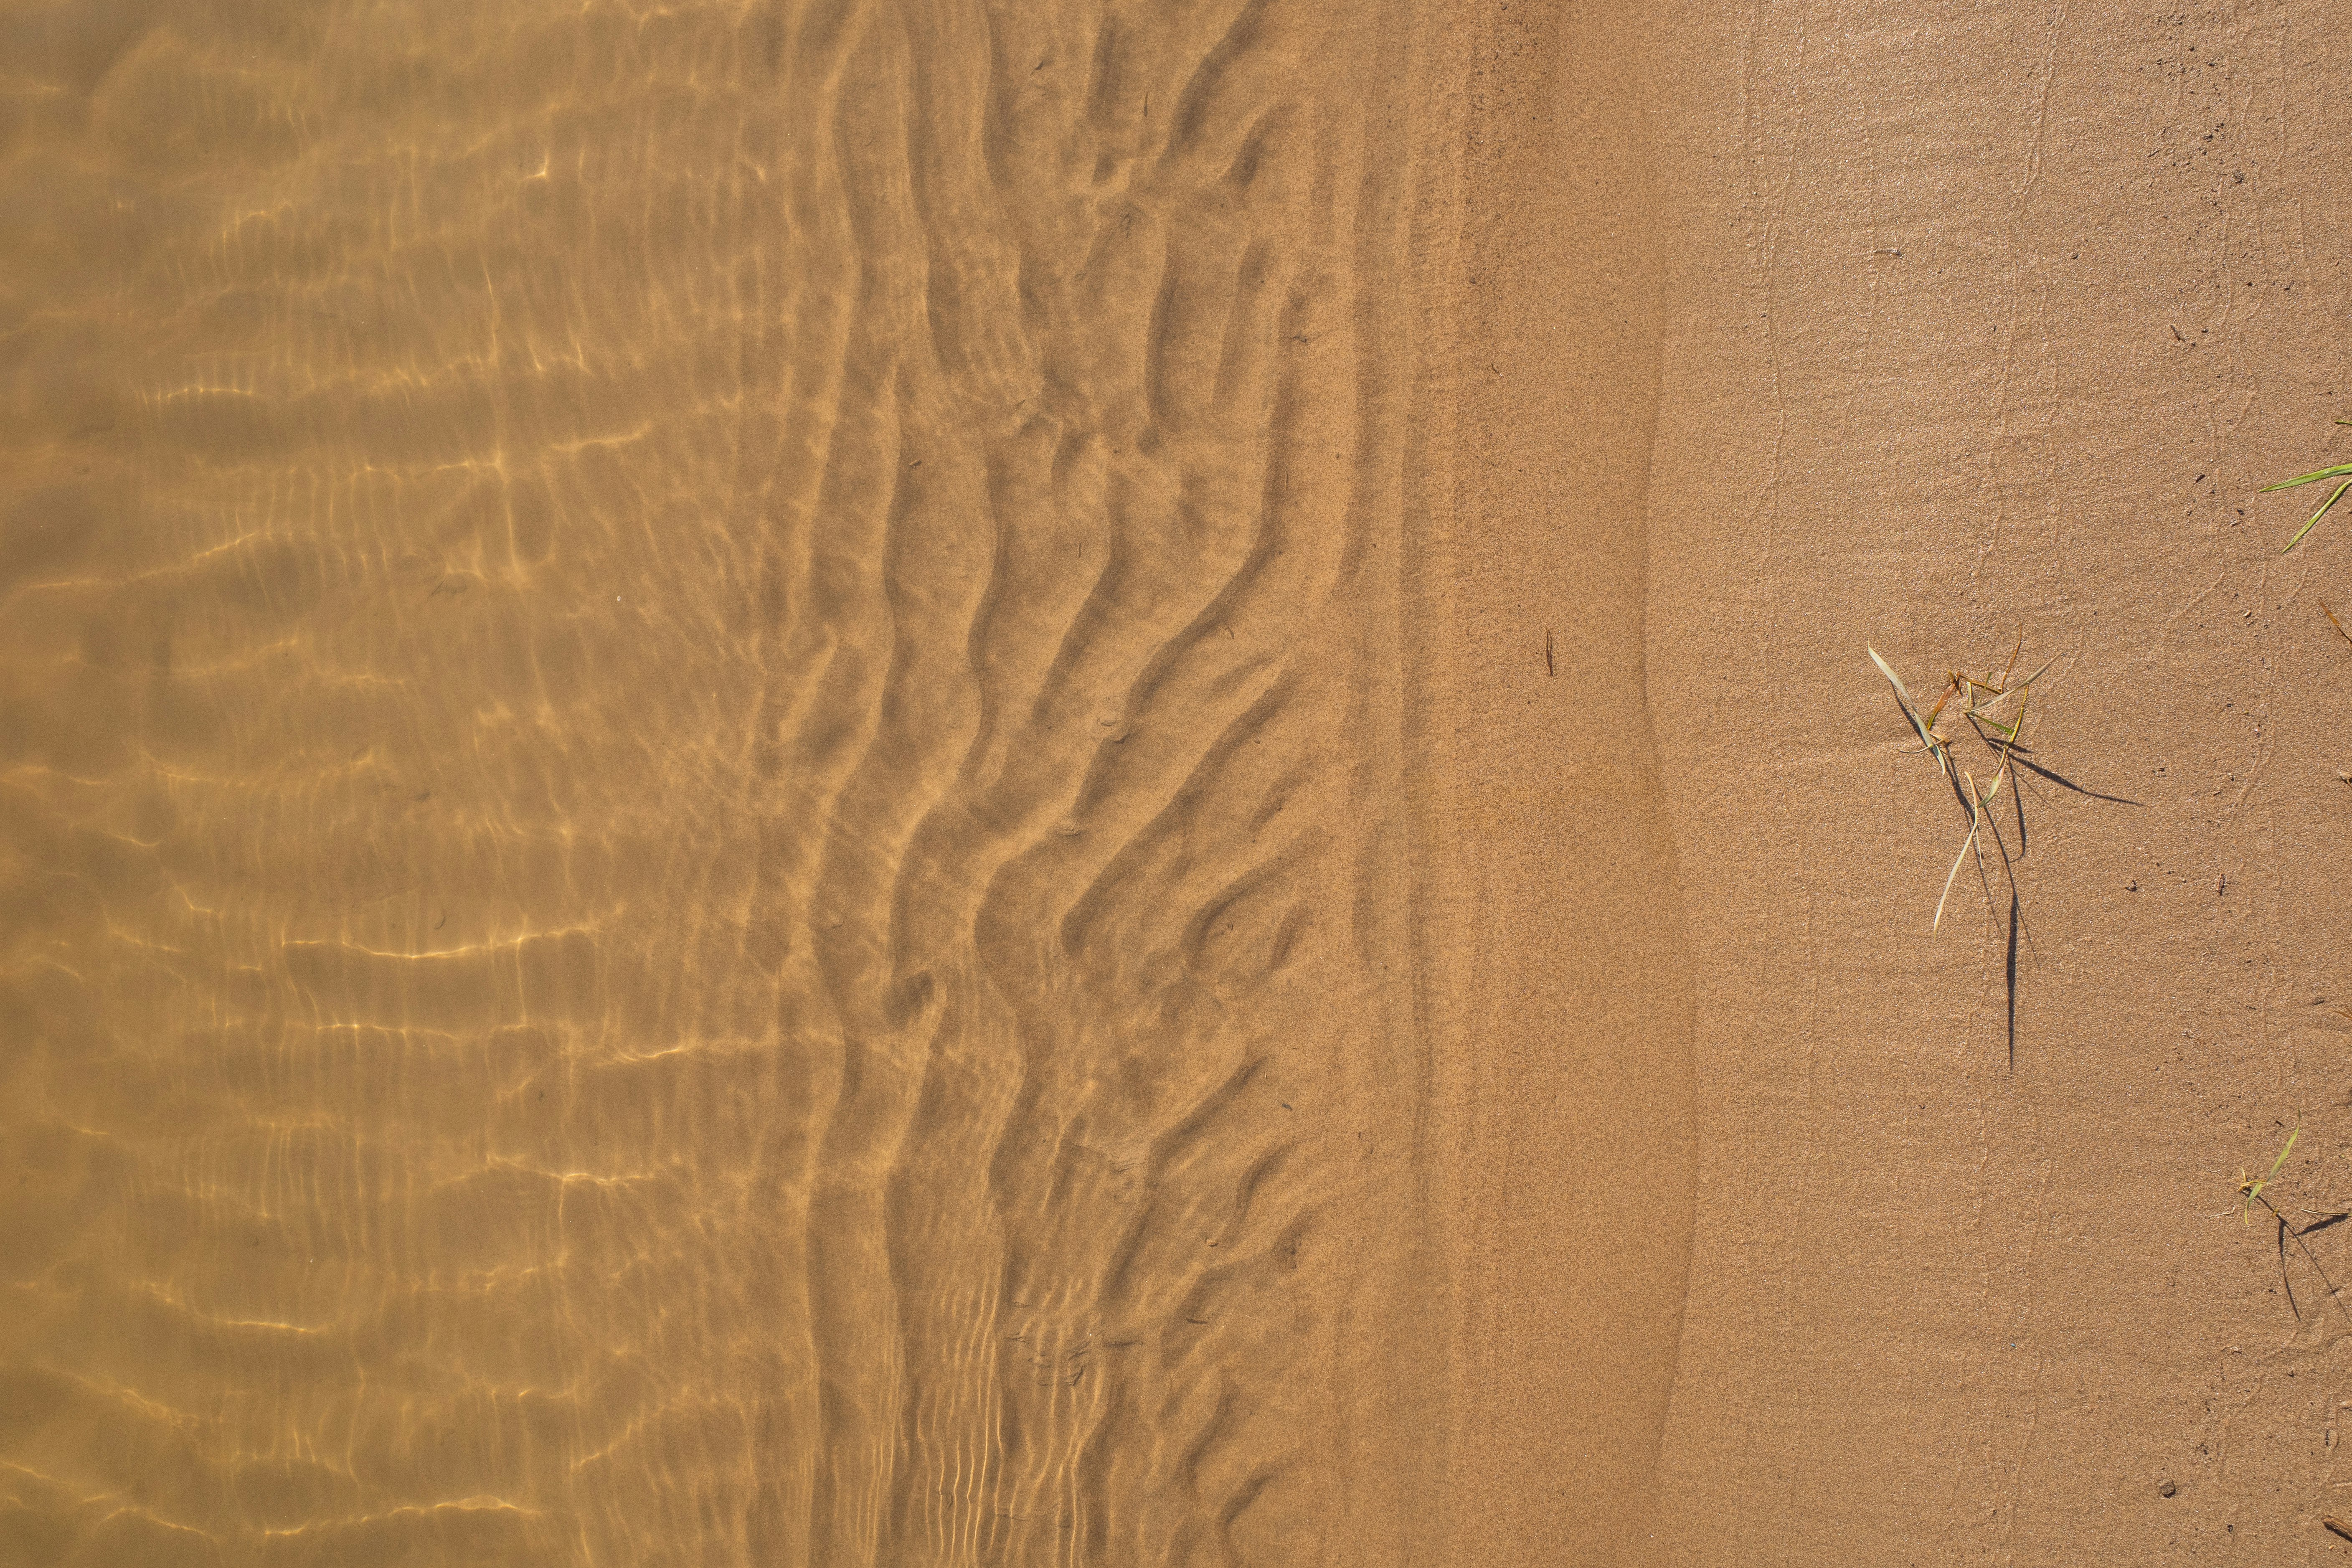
(2165, 1488)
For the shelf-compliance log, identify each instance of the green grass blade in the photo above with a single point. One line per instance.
(2288, 1148)
(2254, 1189)
(2338, 472)
(2315, 516)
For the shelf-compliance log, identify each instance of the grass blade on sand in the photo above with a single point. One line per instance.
(2252, 1191)
(2313, 477)
(1910, 709)
(1976, 816)
(2325, 509)
(2335, 471)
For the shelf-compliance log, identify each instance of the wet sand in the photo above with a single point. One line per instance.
(710, 828)
(852, 784)
(1564, 988)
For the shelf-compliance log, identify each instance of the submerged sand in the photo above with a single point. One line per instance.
(681, 889)
(1095, 784)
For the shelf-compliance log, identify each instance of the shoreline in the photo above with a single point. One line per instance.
(1568, 1006)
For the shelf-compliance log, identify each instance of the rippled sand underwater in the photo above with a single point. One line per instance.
(702, 723)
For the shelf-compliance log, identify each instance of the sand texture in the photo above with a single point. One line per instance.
(704, 787)
(1056, 782)
(1980, 324)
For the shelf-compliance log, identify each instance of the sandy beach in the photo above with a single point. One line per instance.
(1079, 783)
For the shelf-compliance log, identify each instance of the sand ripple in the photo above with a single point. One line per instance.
(699, 724)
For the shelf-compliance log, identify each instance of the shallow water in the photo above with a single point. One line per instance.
(700, 746)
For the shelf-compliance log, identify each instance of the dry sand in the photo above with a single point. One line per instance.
(1982, 321)
(1056, 784)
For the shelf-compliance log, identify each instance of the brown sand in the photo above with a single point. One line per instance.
(1981, 323)
(863, 784)
(1568, 1017)
(709, 842)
